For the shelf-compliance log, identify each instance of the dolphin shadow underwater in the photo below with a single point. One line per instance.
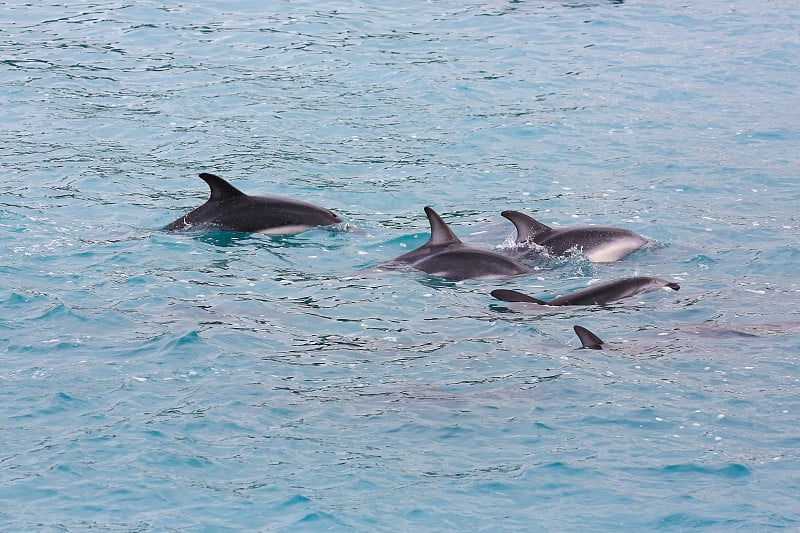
(230, 209)
(601, 293)
(445, 256)
(601, 244)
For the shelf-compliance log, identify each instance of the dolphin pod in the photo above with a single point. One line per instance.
(601, 244)
(230, 209)
(444, 255)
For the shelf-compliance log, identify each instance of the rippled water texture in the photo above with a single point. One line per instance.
(217, 381)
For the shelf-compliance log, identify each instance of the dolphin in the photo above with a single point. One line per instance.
(688, 338)
(591, 341)
(678, 336)
(445, 256)
(230, 209)
(601, 244)
(600, 293)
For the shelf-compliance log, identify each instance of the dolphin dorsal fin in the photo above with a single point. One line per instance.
(220, 189)
(588, 339)
(527, 228)
(441, 233)
(508, 295)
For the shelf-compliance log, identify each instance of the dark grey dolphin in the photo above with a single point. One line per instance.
(445, 256)
(690, 338)
(599, 243)
(680, 337)
(230, 209)
(600, 293)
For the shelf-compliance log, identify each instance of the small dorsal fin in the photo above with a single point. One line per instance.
(508, 295)
(220, 189)
(441, 233)
(527, 228)
(588, 339)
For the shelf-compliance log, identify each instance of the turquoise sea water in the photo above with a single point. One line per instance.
(213, 381)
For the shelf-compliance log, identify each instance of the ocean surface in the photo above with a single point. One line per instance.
(213, 381)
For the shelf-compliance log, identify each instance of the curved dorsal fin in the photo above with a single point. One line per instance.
(220, 189)
(440, 232)
(507, 295)
(588, 339)
(527, 227)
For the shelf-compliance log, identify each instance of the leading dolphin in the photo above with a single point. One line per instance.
(599, 243)
(601, 293)
(445, 256)
(230, 209)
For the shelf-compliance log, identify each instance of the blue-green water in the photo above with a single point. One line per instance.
(155, 381)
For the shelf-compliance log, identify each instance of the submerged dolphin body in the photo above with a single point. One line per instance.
(230, 209)
(599, 243)
(707, 339)
(592, 342)
(601, 293)
(445, 256)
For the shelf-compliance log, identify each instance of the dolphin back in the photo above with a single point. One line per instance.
(441, 234)
(588, 339)
(614, 290)
(528, 228)
(220, 189)
(230, 209)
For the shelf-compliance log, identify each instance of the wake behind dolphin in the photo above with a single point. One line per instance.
(445, 256)
(598, 243)
(230, 209)
(601, 293)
